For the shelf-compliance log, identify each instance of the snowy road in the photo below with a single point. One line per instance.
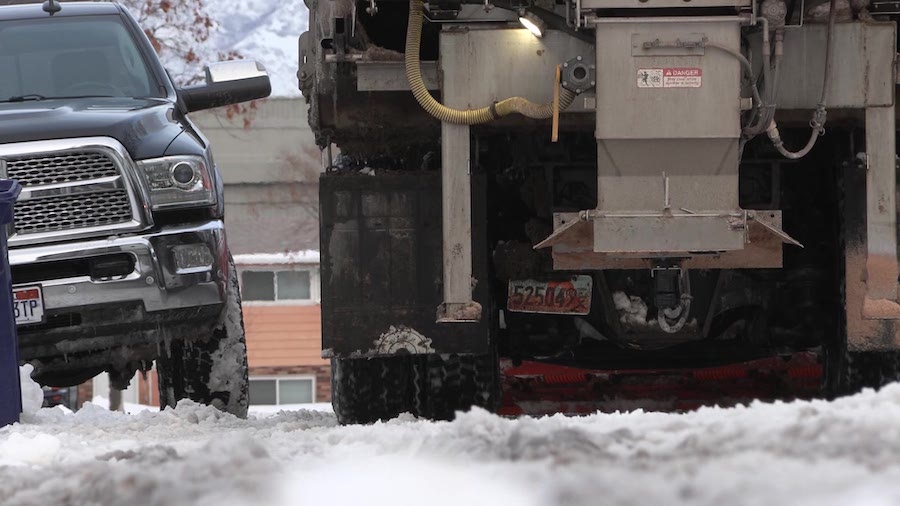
(816, 453)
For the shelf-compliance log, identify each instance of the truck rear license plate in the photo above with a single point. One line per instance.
(568, 296)
(28, 305)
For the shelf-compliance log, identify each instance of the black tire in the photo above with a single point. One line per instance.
(835, 377)
(871, 369)
(429, 386)
(457, 383)
(848, 373)
(210, 371)
(367, 390)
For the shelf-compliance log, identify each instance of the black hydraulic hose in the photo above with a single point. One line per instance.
(761, 121)
(761, 124)
(747, 66)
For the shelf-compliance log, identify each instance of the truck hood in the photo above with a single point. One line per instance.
(145, 127)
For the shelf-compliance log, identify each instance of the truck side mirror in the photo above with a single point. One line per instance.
(227, 83)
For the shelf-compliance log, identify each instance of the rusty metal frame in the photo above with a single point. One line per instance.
(573, 250)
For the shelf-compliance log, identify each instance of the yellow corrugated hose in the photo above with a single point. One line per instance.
(446, 114)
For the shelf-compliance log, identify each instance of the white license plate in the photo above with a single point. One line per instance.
(564, 296)
(28, 305)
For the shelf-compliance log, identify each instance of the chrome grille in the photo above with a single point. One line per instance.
(72, 212)
(65, 192)
(61, 168)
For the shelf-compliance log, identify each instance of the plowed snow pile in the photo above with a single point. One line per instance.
(808, 453)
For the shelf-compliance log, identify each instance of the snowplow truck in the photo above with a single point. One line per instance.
(523, 194)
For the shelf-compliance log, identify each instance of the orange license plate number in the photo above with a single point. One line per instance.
(565, 296)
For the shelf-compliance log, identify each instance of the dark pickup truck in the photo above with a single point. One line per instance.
(118, 250)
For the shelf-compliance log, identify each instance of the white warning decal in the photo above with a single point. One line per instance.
(686, 77)
(650, 78)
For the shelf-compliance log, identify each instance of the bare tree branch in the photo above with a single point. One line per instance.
(180, 32)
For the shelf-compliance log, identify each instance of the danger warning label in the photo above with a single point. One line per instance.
(687, 77)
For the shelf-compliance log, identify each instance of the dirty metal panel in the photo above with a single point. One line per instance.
(456, 199)
(864, 56)
(557, 296)
(667, 129)
(667, 234)
(643, 93)
(381, 267)
(645, 174)
(488, 65)
(870, 324)
(881, 210)
(391, 76)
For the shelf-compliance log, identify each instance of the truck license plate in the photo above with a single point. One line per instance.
(28, 305)
(569, 296)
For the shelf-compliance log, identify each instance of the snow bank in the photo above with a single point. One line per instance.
(392, 480)
(258, 411)
(261, 411)
(40, 449)
(32, 394)
(129, 407)
(803, 453)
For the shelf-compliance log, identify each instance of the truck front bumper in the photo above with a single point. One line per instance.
(169, 283)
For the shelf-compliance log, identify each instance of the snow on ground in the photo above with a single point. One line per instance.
(261, 411)
(264, 411)
(128, 407)
(803, 453)
(32, 395)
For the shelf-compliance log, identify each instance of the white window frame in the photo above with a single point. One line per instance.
(277, 379)
(315, 290)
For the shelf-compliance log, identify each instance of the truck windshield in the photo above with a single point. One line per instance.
(67, 57)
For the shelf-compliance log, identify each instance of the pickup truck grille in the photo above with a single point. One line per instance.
(65, 193)
(72, 212)
(61, 169)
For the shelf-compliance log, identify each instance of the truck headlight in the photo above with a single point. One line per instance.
(177, 181)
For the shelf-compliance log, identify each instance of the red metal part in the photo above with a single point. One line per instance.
(536, 388)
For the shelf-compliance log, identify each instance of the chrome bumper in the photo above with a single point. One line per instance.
(154, 280)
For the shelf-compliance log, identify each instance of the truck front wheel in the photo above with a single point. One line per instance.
(210, 371)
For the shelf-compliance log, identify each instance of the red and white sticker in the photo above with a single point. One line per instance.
(674, 77)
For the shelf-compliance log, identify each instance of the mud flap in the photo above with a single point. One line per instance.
(382, 267)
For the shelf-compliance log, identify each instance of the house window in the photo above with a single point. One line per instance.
(273, 286)
(278, 391)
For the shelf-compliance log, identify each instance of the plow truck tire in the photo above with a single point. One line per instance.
(429, 386)
(365, 390)
(457, 383)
